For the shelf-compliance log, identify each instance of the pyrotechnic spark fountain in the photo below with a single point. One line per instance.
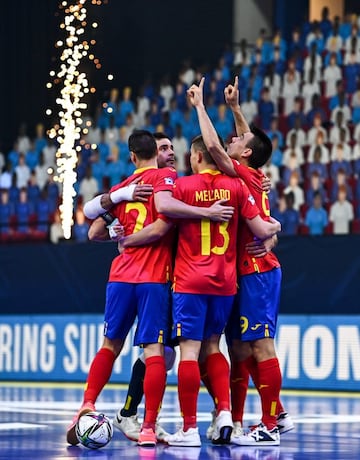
(74, 87)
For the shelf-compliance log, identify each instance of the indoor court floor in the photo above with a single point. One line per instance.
(34, 418)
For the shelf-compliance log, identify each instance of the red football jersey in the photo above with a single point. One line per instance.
(205, 261)
(151, 263)
(246, 263)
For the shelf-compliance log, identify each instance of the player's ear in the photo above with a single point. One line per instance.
(247, 152)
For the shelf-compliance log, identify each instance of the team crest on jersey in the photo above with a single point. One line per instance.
(169, 181)
(251, 199)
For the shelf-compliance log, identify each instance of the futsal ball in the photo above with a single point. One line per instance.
(94, 430)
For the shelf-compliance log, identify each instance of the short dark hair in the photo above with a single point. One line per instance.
(142, 143)
(199, 144)
(160, 135)
(261, 147)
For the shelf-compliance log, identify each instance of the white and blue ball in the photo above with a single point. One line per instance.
(94, 430)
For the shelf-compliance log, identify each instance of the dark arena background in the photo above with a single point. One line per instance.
(52, 285)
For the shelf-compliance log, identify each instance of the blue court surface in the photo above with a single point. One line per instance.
(34, 418)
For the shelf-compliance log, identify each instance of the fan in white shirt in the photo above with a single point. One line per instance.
(341, 213)
(331, 75)
(181, 148)
(309, 88)
(300, 134)
(339, 126)
(290, 90)
(334, 42)
(299, 196)
(293, 148)
(345, 109)
(312, 61)
(355, 154)
(319, 141)
(249, 107)
(315, 129)
(22, 172)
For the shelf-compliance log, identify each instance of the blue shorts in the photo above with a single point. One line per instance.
(199, 316)
(149, 302)
(256, 307)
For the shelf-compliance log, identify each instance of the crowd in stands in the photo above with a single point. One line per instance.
(304, 92)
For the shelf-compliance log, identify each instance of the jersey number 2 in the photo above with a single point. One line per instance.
(140, 219)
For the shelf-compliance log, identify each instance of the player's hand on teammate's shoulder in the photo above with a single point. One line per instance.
(142, 192)
(266, 184)
(220, 212)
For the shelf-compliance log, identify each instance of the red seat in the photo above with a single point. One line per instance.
(329, 229)
(303, 209)
(283, 126)
(303, 229)
(355, 226)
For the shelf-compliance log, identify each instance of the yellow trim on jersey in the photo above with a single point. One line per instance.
(213, 172)
(140, 170)
(256, 267)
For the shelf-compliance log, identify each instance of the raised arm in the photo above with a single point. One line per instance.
(211, 139)
(231, 93)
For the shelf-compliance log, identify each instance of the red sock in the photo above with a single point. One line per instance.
(205, 378)
(218, 371)
(269, 390)
(99, 374)
(154, 387)
(239, 382)
(252, 366)
(188, 389)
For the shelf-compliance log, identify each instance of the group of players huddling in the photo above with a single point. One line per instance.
(222, 278)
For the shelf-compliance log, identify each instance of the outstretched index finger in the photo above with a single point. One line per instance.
(236, 83)
(201, 84)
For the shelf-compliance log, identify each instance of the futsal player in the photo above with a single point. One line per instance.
(205, 266)
(138, 286)
(251, 331)
(99, 232)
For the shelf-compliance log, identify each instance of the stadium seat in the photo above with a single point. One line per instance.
(355, 226)
(303, 229)
(329, 229)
